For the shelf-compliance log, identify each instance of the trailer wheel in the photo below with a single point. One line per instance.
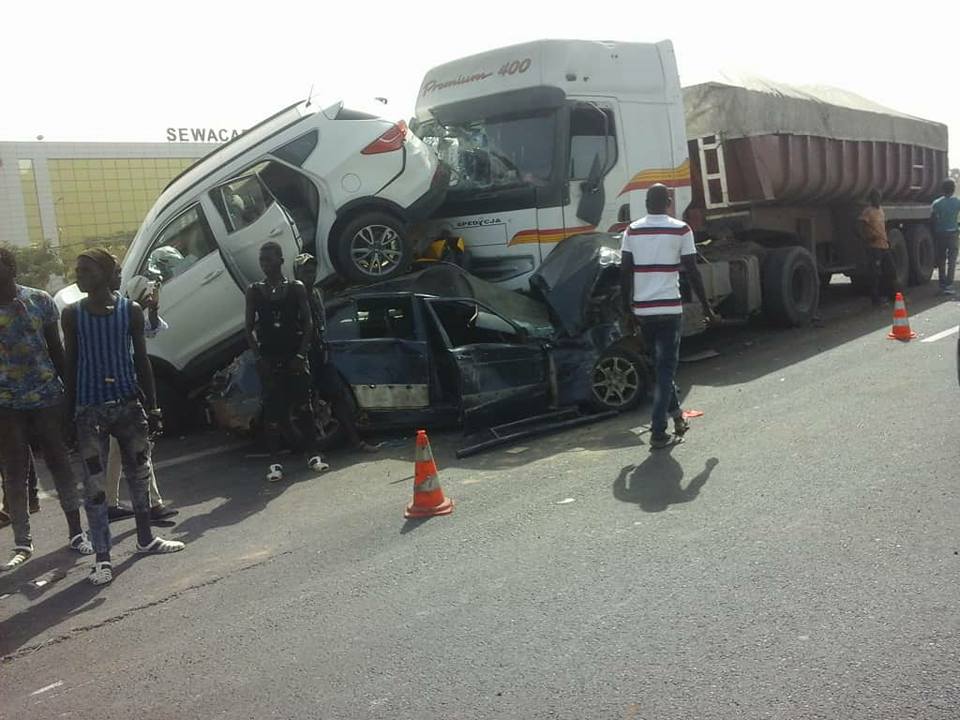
(619, 380)
(791, 288)
(922, 254)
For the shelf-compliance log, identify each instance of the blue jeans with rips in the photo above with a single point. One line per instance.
(127, 422)
(661, 334)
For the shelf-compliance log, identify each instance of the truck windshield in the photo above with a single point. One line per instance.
(496, 153)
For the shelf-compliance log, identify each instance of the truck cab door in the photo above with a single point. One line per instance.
(594, 167)
(244, 216)
(503, 375)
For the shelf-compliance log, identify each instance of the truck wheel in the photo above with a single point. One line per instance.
(922, 254)
(791, 288)
(901, 258)
(373, 246)
(619, 380)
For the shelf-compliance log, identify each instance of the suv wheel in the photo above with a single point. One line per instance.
(373, 246)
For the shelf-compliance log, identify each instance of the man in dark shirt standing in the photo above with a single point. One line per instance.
(327, 381)
(279, 328)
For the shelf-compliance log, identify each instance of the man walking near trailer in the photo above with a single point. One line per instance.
(655, 249)
(945, 212)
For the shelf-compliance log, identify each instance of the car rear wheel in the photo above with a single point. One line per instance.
(371, 247)
(619, 380)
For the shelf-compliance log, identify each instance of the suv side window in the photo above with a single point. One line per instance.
(467, 323)
(241, 202)
(589, 141)
(181, 244)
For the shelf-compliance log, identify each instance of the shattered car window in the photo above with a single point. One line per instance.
(529, 314)
(371, 318)
(466, 323)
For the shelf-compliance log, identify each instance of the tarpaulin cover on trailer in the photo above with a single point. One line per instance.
(748, 108)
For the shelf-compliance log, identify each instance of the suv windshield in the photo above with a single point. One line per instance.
(496, 153)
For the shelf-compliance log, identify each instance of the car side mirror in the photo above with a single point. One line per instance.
(592, 199)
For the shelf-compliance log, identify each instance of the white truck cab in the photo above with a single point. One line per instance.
(549, 139)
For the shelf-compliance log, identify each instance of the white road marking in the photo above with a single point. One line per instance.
(942, 335)
(196, 456)
(57, 684)
(565, 501)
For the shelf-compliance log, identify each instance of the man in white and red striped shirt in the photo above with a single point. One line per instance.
(655, 249)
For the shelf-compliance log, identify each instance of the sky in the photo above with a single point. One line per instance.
(129, 70)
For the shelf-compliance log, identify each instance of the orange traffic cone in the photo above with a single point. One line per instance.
(901, 323)
(428, 497)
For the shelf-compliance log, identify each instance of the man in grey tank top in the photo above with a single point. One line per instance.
(106, 361)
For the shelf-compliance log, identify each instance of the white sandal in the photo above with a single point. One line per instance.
(21, 553)
(81, 543)
(102, 573)
(317, 464)
(275, 474)
(159, 546)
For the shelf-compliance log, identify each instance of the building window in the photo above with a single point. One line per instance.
(31, 202)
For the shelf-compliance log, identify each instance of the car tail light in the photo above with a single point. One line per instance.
(391, 140)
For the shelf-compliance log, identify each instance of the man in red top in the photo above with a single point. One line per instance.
(873, 229)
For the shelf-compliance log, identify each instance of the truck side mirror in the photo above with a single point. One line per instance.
(592, 199)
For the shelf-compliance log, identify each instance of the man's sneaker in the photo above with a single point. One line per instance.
(275, 473)
(162, 512)
(120, 511)
(81, 543)
(949, 291)
(159, 546)
(20, 554)
(317, 464)
(102, 573)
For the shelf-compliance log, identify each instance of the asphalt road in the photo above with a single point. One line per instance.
(797, 557)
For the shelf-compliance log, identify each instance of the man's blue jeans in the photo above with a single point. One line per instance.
(661, 334)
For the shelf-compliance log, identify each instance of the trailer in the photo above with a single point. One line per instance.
(780, 174)
(553, 138)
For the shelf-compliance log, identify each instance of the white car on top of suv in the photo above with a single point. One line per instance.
(343, 185)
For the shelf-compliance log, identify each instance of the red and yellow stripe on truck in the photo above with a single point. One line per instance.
(671, 177)
(552, 235)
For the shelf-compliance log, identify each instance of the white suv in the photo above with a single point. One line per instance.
(343, 185)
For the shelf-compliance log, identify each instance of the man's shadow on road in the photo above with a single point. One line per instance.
(656, 483)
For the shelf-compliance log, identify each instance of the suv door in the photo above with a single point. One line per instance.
(503, 374)
(199, 301)
(246, 216)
